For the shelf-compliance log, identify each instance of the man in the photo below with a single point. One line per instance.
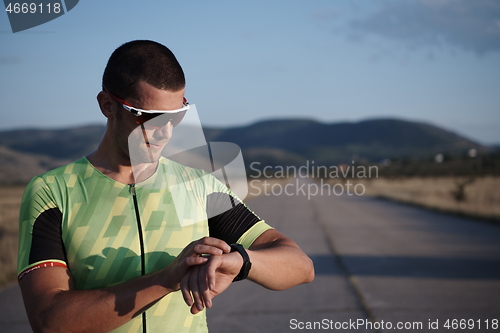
(103, 246)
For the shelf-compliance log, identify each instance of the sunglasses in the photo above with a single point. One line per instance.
(154, 118)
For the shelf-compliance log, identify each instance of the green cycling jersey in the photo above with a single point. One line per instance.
(106, 232)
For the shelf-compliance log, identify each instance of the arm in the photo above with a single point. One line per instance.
(53, 305)
(277, 263)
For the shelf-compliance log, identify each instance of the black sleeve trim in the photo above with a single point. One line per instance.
(46, 240)
(235, 220)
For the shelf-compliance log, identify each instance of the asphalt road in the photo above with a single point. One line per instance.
(393, 264)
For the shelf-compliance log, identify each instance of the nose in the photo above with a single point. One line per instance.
(163, 132)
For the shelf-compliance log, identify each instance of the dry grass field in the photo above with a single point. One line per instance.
(10, 199)
(475, 197)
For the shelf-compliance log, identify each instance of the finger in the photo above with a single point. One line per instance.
(194, 309)
(218, 243)
(203, 286)
(210, 270)
(200, 249)
(211, 273)
(185, 289)
(194, 287)
(193, 261)
(203, 289)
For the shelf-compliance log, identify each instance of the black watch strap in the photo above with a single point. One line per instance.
(235, 247)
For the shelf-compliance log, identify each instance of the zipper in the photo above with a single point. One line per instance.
(141, 242)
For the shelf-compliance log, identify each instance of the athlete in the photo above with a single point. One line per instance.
(105, 245)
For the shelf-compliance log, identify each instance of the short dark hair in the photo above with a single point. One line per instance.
(142, 60)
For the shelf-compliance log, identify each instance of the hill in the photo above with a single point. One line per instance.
(18, 168)
(27, 152)
(370, 140)
(71, 143)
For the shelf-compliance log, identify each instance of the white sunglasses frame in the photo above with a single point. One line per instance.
(138, 112)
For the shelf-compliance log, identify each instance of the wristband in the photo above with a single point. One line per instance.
(245, 269)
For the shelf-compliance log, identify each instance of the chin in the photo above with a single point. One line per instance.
(145, 156)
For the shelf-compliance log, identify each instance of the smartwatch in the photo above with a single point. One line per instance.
(235, 247)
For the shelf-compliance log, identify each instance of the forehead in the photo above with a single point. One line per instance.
(152, 98)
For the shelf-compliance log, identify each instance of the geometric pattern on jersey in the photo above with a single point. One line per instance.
(100, 231)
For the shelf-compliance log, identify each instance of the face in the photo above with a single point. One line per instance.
(145, 142)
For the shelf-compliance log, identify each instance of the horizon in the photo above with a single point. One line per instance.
(75, 126)
(343, 61)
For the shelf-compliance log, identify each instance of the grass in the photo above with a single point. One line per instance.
(10, 200)
(475, 197)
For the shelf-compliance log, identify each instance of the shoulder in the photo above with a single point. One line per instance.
(51, 180)
(64, 171)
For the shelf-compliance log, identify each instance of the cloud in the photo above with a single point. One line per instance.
(472, 25)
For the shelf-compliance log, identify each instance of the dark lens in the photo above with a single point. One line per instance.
(145, 117)
(161, 119)
(177, 117)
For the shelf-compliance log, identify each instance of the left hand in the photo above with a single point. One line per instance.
(203, 282)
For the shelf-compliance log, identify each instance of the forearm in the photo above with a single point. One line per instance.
(99, 310)
(53, 305)
(279, 264)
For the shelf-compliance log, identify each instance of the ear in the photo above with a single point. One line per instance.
(107, 104)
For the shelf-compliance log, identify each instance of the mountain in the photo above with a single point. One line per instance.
(71, 143)
(271, 142)
(18, 168)
(369, 140)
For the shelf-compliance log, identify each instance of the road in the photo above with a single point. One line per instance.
(375, 260)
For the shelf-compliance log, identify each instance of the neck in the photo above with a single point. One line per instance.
(116, 164)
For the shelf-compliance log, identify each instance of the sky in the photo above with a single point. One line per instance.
(435, 61)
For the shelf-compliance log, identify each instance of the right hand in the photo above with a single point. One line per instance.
(202, 283)
(191, 255)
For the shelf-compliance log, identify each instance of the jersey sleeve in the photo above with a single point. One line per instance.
(40, 239)
(230, 219)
